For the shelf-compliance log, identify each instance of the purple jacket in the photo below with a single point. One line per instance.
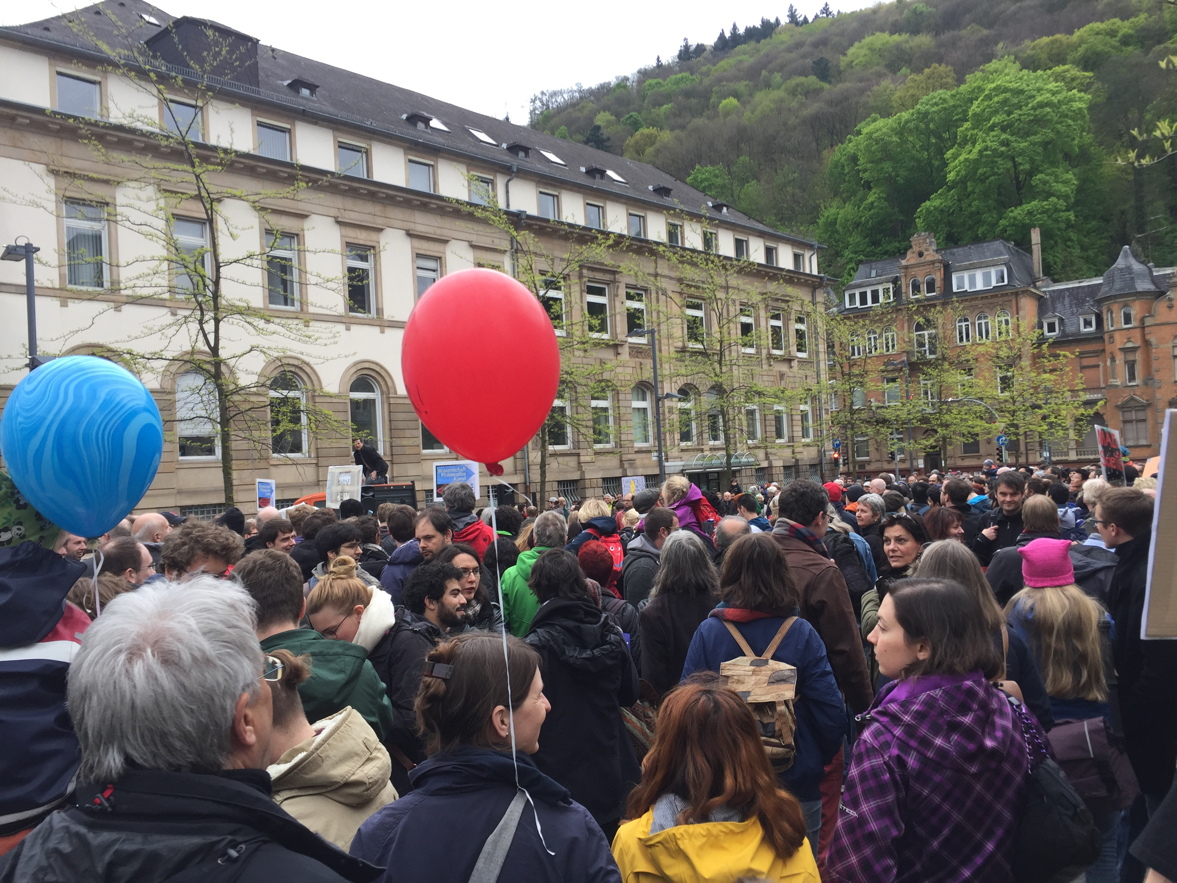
(686, 515)
(934, 786)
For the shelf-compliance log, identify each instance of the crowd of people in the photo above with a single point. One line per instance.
(851, 681)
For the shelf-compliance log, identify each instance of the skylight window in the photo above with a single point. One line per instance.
(481, 136)
(435, 123)
(150, 19)
(553, 157)
(616, 177)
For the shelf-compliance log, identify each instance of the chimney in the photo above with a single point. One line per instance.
(1036, 251)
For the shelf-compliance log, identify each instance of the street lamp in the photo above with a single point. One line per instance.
(652, 334)
(25, 253)
(989, 408)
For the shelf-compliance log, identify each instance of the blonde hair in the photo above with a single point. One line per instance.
(340, 588)
(1145, 484)
(594, 508)
(1040, 515)
(1091, 491)
(1063, 625)
(674, 489)
(631, 517)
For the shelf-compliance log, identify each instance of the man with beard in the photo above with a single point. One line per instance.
(434, 596)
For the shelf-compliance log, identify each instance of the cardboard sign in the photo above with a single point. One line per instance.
(344, 483)
(267, 492)
(1160, 594)
(1110, 458)
(446, 472)
(631, 484)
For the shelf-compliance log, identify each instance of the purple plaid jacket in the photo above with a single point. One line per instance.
(935, 786)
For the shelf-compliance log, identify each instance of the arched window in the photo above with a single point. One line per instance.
(1003, 323)
(714, 418)
(872, 342)
(890, 339)
(984, 328)
(196, 417)
(640, 404)
(925, 340)
(915, 288)
(964, 330)
(929, 285)
(686, 416)
(1126, 317)
(364, 400)
(288, 416)
(855, 346)
(1111, 317)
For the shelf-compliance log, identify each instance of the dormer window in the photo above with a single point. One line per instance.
(979, 280)
(516, 149)
(595, 172)
(424, 121)
(916, 288)
(661, 190)
(1087, 322)
(720, 207)
(304, 88)
(1050, 327)
(929, 285)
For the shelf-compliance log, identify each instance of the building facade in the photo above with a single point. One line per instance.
(193, 164)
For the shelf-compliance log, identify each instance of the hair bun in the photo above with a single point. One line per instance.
(343, 565)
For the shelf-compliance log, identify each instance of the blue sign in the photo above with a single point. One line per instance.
(446, 472)
(837, 443)
(1002, 441)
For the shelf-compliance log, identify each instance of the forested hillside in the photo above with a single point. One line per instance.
(974, 120)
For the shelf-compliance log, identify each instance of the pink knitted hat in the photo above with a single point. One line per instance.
(1047, 562)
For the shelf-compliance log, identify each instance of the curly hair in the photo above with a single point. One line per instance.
(195, 539)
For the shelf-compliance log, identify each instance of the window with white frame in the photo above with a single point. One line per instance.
(770, 255)
(428, 271)
(360, 297)
(549, 206)
(273, 141)
(1130, 378)
(559, 430)
(673, 234)
(1126, 317)
(640, 414)
(861, 447)
(191, 270)
(596, 308)
(984, 327)
(858, 397)
(1005, 381)
(364, 405)
(896, 447)
(710, 241)
(978, 280)
(183, 120)
(1134, 426)
(748, 329)
(780, 423)
(637, 225)
(353, 160)
(85, 245)
(928, 391)
(806, 422)
(798, 262)
(964, 330)
(1110, 316)
(482, 190)
(601, 407)
(282, 270)
(421, 175)
(635, 313)
(687, 427)
(929, 285)
(696, 322)
(552, 298)
(856, 346)
(801, 335)
(891, 394)
(1003, 323)
(196, 417)
(714, 417)
(741, 249)
(594, 216)
(926, 345)
(776, 332)
(870, 297)
(872, 342)
(78, 96)
(288, 416)
(752, 422)
(1050, 327)
(430, 443)
(890, 339)
(1087, 322)
(917, 289)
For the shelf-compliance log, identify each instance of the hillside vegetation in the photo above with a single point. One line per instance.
(972, 120)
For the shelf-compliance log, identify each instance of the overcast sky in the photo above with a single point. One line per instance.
(488, 57)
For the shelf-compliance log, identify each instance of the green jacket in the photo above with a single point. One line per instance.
(341, 676)
(519, 602)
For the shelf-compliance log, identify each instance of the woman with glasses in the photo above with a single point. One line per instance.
(482, 611)
(481, 707)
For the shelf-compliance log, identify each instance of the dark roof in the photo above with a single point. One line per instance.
(1071, 300)
(1128, 276)
(380, 107)
(962, 257)
(873, 271)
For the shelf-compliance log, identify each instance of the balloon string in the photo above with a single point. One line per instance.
(94, 578)
(511, 488)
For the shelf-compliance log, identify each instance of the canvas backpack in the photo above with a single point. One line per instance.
(770, 688)
(612, 542)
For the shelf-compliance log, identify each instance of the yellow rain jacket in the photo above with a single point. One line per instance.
(709, 852)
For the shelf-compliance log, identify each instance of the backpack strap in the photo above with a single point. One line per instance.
(772, 647)
(494, 851)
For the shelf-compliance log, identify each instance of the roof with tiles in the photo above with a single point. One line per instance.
(386, 109)
(961, 257)
(1069, 302)
(1128, 276)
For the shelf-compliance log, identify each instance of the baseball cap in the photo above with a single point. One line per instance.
(173, 519)
(645, 500)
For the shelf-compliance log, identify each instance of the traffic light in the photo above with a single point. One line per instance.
(836, 456)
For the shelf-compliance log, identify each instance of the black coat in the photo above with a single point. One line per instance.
(370, 459)
(157, 826)
(1147, 672)
(1005, 568)
(873, 534)
(667, 625)
(845, 554)
(588, 678)
(1009, 528)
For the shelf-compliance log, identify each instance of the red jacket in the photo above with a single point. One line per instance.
(476, 534)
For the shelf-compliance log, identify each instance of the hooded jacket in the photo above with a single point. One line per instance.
(934, 786)
(39, 635)
(403, 561)
(687, 520)
(398, 657)
(465, 793)
(588, 677)
(471, 530)
(519, 601)
(152, 827)
(638, 569)
(334, 781)
(1095, 569)
(821, 716)
(606, 526)
(708, 852)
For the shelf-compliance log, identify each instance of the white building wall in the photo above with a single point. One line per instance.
(24, 77)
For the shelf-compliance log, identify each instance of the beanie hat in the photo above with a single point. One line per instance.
(1047, 562)
(854, 492)
(834, 490)
(645, 500)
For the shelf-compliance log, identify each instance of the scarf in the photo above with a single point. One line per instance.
(743, 614)
(375, 621)
(796, 531)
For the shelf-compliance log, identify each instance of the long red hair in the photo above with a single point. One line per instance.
(707, 750)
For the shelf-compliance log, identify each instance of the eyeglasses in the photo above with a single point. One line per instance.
(334, 630)
(200, 571)
(1098, 521)
(274, 670)
(467, 571)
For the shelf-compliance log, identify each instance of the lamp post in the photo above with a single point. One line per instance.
(652, 334)
(25, 253)
(989, 408)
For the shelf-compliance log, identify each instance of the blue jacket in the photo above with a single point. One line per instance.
(401, 563)
(868, 558)
(821, 716)
(437, 831)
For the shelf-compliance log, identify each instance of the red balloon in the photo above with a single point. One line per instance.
(481, 364)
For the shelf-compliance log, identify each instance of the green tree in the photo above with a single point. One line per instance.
(596, 138)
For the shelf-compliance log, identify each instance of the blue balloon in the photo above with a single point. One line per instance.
(82, 439)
